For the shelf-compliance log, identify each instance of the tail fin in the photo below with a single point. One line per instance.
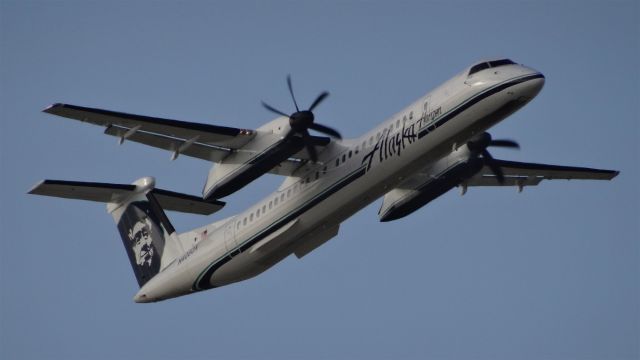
(147, 234)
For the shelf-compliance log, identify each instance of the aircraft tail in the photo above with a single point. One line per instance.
(149, 238)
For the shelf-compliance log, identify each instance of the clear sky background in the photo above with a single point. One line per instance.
(552, 273)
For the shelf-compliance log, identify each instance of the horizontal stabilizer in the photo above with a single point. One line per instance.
(115, 193)
(174, 201)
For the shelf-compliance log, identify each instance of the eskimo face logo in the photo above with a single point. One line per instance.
(144, 239)
(141, 241)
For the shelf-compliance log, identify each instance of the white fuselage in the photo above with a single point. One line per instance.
(309, 206)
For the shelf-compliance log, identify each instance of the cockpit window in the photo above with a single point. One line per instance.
(491, 64)
(500, 63)
(478, 67)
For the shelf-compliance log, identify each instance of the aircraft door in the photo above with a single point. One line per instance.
(229, 236)
(426, 109)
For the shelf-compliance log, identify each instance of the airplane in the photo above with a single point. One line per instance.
(435, 144)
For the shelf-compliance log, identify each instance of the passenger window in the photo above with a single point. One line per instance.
(324, 170)
(244, 222)
(270, 203)
(371, 141)
(238, 225)
(349, 154)
(264, 208)
(275, 201)
(288, 192)
(398, 124)
(317, 175)
(410, 116)
(282, 197)
(356, 149)
(364, 144)
(337, 162)
(258, 213)
(344, 157)
(251, 217)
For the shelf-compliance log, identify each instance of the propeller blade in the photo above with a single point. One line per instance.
(318, 100)
(273, 110)
(313, 154)
(487, 156)
(490, 162)
(325, 130)
(505, 143)
(291, 92)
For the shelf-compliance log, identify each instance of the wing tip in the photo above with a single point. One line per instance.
(34, 188)
(607, 174)
(51, 108)
(614, 173)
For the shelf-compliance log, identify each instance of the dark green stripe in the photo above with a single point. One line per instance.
(202, 282)
(474, 100)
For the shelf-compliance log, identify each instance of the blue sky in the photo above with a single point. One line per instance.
(552, 273)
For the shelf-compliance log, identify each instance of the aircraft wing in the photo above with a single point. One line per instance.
(204, 141)
(529, 174)
(204, 133)
(197, 149)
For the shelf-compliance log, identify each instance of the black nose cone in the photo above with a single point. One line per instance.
(301, 119)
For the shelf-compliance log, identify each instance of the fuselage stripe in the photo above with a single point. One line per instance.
(202, 281)
(472, 101)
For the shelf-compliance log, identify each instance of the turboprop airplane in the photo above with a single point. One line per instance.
(435, 144)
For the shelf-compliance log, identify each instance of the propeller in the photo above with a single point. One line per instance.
(480, 145)
(302, 121)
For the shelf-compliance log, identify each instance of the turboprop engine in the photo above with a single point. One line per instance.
(445, 174)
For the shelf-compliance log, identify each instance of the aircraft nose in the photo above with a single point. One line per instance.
(534, 85)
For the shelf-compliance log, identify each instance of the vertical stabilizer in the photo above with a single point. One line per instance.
(145, 231)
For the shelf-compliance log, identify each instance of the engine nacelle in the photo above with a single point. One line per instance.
(427, 185)
(270, 147)
(239, 169)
